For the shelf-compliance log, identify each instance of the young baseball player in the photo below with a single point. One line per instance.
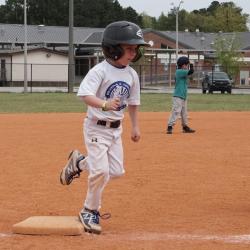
(179, 108)
(108, 88)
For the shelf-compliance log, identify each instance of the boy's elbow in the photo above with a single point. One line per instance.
(81, 98)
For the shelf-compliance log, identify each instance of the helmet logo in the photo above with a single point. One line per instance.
(139, 33)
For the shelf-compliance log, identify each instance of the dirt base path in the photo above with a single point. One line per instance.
(180, 191)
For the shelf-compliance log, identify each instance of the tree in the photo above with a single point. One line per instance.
(195, 21)
(182, 19)
(162, 22)
(3, 11)
(14, 11)
(38, 12)
(48, 12)
(213, 7)
(225, 16)
(148, 21)
(229, 18)
(227, 53)
(87, 13)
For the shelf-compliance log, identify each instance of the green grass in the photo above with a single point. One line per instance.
(40, 103)
(64, 102)
(197, 102)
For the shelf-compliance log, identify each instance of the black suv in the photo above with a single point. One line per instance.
(216, 81)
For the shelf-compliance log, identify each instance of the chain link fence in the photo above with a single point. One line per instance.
(54, 77)
(165, 75)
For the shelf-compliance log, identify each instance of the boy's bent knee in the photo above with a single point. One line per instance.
(116, 174)
(100, 176)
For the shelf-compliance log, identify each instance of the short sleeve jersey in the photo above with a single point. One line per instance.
(181, 82)
(107, 82)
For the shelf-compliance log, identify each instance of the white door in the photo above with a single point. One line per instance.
(244, 77)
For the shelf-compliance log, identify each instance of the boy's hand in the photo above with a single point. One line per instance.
(113, 104)
(135, 135)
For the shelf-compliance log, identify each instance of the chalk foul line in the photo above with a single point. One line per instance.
(158, 236)
(154, 236)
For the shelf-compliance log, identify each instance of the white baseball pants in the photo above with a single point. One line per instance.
(105, 159)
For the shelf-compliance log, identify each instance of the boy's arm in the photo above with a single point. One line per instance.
(133, 113)
(191, 69)
(96, 102)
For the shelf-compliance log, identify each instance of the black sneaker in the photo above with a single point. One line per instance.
(71, 170)
(90, 220)
(187, 129)
(169, 130)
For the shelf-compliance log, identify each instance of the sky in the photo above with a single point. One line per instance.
(156, 7)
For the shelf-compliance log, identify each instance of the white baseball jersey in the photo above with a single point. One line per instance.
(107, 82)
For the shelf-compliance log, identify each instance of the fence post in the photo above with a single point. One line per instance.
(31, 81)
(140, 78)
(212, 74)
(170, 70)
(156, 65)
(151, 70)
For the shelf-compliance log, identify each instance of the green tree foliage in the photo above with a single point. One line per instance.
(163, 22)
(229, 18)
(226, 17)
(38, 12)
(48, 12)
(194, 21)
(213, 7)
(98, 13)
(87, 13)
(148, 21)
(227, 53)
(12, 11)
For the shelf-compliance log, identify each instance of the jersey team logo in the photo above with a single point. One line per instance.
(121, 90)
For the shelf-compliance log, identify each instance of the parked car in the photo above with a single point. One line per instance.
(216, 81)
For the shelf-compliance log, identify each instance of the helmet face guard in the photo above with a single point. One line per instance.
(139, 54)
(118, 33)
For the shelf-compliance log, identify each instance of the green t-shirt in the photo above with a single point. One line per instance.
(181, 82)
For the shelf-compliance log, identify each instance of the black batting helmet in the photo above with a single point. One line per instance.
(121, 32)
(182, 61)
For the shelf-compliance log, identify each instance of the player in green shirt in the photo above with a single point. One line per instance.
(179, 108)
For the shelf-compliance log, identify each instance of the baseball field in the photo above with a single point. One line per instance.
(180, 191)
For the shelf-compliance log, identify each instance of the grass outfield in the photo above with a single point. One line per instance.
(64, 102)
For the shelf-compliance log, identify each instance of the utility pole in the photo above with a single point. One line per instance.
(71, 70)
(177, 8)
(25, 49)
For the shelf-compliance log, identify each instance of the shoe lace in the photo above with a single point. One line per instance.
(105, 216)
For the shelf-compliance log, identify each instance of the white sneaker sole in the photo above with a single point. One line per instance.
(62, 175)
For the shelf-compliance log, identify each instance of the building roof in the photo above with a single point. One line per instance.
(201, 40)
(55, 36)
(40, 34)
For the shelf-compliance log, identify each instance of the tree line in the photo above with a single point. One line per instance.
(226, 16)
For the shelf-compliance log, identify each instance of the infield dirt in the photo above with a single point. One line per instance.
(180, 191)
